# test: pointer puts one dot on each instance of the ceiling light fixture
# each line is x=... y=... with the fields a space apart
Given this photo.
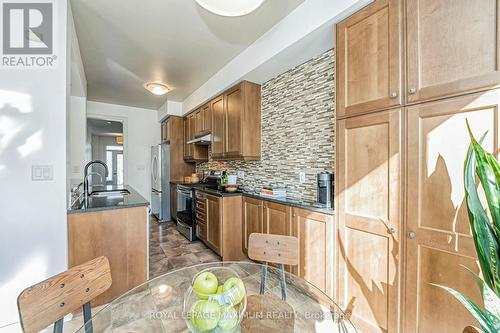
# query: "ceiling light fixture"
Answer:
x=230 y=8
x=157 y=88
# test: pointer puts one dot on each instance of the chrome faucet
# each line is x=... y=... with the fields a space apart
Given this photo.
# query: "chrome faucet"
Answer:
x=86 y=174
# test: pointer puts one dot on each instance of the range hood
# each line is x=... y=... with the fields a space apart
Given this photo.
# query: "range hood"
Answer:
x=202 y=140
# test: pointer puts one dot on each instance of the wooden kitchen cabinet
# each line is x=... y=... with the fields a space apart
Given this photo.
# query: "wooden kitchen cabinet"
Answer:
x=236 y=124
x=368 y=228
x=206 y=112
x=438 y=238
x=452 y=47
x=315 y=233
x=277 y=219
x=214 y=223
x=218 y=127
x=219 y=224
x=121 y=235
x=369 y=59
x=165 y=131
x=193 y=152
x=198 y=123
x=252 y=219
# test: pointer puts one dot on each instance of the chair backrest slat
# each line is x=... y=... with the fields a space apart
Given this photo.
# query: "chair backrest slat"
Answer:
x=48 y=301
x=275 y=249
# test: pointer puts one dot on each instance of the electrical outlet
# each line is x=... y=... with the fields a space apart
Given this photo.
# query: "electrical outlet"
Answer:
x=241 y=174
x=302 y=177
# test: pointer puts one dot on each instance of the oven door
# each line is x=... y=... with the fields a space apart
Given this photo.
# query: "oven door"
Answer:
x=185 y=206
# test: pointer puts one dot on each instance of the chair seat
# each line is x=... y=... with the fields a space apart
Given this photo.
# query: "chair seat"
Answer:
x=267 y=313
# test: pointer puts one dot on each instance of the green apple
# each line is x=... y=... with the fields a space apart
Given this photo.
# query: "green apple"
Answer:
x=205 y=284
x=228 y=318
x=235 y=289
x=220 y=289
x=205 y=315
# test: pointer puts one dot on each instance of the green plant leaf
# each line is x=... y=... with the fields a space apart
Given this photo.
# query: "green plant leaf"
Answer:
x=489 y=174
x=485 y=239
x=488 y=322
x=490 y=299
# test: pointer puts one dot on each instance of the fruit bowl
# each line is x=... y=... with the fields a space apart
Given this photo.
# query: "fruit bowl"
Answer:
x=215 y=301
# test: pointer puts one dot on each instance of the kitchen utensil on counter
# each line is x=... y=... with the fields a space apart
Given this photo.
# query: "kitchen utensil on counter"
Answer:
x=230 y=187
x=187 y=179
x=325 y=189
x=194 y=178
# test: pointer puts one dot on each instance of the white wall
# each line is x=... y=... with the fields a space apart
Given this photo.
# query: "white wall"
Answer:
x=32 y=213
x=78 y=147
x=141 y=130
x=169 y=108
x=310 y=26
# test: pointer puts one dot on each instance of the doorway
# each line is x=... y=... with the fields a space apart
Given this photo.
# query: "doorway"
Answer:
x=106 y=144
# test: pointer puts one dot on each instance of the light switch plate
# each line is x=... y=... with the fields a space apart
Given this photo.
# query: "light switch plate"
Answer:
x=302 y=177
x=241 y=174
x=42 y=172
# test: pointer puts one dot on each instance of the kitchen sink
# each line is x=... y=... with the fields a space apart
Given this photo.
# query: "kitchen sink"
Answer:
x=110 y=193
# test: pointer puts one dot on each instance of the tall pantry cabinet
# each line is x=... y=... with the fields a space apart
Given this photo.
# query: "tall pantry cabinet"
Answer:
x=409 y=73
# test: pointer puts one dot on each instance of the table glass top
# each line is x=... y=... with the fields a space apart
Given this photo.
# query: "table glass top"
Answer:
x=157 y=305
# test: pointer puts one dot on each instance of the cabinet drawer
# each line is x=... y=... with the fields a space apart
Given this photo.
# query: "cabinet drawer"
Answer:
x=201 y=231
x=200 y=206
x=200 y=196
x=201 y=217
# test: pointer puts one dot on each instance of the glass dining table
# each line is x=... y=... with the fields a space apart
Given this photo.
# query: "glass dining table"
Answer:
x=157 y=305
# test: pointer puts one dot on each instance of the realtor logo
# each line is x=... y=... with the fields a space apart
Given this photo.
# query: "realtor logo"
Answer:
x=27 y=34
x=27 y=28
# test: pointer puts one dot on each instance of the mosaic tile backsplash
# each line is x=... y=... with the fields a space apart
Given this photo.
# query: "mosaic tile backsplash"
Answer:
x=298 y=131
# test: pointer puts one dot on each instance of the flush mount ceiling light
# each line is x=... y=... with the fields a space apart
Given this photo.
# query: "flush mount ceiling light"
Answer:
x=230 y=7
x=157 y=88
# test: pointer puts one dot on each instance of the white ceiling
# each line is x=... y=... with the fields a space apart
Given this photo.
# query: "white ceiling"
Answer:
x=125 y=43
x=104 y=127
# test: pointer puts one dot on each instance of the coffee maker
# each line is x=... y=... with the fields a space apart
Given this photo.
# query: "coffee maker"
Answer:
x=325 y=189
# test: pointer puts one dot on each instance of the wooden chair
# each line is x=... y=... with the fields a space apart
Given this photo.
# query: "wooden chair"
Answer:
x=49 y=301
x=276 y=249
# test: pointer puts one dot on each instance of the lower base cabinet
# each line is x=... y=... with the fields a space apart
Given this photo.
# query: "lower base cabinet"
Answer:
x=314 y=231
x=217 y=216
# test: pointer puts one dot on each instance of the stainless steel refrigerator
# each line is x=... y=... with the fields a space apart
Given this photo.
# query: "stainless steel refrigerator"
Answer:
x=160 y=182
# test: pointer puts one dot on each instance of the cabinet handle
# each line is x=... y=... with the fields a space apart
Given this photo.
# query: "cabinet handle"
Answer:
x=412 y=91
x=393 y=94
x=391 y=230
x=412 y=235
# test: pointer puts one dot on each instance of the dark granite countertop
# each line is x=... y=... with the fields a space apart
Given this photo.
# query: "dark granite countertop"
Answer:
x=134 y=199
x=313 y=206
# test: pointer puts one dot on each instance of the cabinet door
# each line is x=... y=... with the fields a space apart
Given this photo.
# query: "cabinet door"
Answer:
x=214 y=223
x=368 y=246
x=218 y=128
x=206 y=112
x=187 y=136
x=168 y=130
x=277 y=219
x=437 y=216
x=198 y=123
x=315 y=234
x=163 y=131
x=452 y=47
x=369 y=59
x=234 y=112
x=252 y=219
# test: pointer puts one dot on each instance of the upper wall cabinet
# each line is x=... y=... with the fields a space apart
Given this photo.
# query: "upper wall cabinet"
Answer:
x=369 y=59
x=236 y=123
x=452 y=47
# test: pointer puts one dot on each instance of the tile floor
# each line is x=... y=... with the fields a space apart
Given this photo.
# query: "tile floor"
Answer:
x=169 y=250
